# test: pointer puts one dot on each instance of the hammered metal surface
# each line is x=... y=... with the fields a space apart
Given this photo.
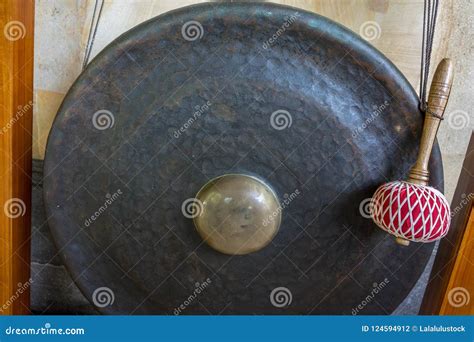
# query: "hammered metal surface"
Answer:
x=182 y=110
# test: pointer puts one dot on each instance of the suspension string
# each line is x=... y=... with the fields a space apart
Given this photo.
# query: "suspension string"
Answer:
x=430 y=14
x=92 y=31
x=429 y=23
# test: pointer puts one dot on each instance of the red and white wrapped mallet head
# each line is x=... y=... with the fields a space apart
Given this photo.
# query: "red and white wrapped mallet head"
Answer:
x=411 y=210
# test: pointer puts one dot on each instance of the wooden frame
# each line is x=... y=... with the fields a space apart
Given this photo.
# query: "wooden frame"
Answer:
x=16 y=86
x=16 y=72
x=449 y=247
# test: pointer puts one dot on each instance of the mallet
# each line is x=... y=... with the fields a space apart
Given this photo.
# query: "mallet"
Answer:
x=411 y=210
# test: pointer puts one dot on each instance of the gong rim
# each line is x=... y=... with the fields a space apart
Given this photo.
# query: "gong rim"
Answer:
x=385 y=70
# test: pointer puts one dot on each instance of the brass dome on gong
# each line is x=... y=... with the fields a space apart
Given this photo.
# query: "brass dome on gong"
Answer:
x=240 y=214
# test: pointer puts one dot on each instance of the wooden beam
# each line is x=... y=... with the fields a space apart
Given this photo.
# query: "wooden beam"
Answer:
x=16 y=104
x=450 y=246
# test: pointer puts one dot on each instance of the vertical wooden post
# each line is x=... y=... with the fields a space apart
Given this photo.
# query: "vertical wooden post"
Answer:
x=457 y=298
x=16 y=104
x=451 y=275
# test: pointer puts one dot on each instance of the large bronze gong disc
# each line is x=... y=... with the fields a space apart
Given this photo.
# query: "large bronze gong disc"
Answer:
x=261 y=90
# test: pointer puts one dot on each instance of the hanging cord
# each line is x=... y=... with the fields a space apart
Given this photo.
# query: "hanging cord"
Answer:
x=430 y=14
x=92 y=31
x=429 y=23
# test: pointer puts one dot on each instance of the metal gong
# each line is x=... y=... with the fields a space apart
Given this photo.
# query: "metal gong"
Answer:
x=268 y=128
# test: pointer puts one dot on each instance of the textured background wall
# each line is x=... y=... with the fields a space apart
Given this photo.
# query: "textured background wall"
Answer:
x=62 y=28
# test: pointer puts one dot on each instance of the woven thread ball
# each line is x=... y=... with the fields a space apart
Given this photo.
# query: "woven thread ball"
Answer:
x=414 y=212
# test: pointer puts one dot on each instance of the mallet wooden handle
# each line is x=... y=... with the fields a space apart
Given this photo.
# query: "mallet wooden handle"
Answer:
x=437 y=101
